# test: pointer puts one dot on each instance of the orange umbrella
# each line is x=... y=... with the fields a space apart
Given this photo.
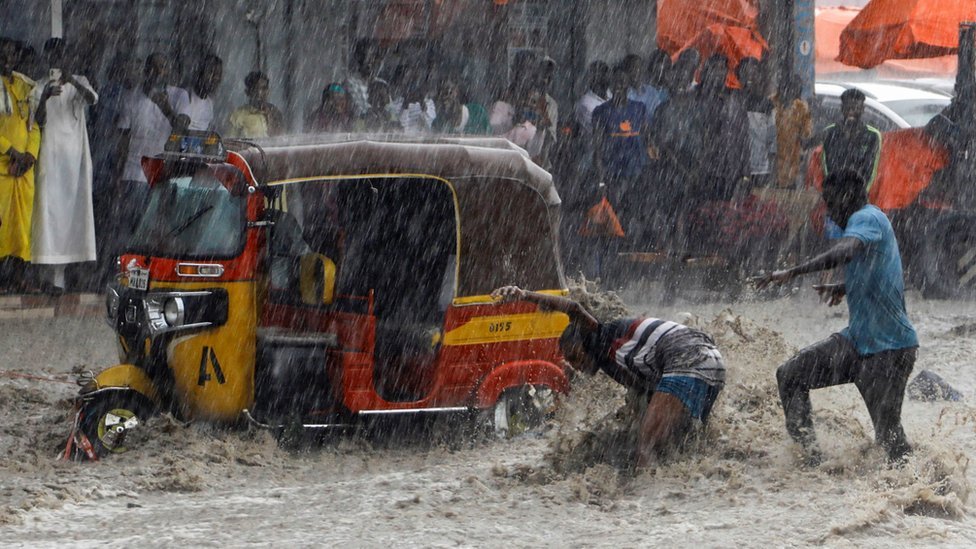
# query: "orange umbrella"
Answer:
x=904 y=29
x=831 y=22
x=735 y=43
x=909 y=160
x=727 y=27
x=680 y=21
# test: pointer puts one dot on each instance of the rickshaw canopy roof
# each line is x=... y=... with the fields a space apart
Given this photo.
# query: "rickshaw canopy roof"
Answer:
x=507 y=206
x=325 y=155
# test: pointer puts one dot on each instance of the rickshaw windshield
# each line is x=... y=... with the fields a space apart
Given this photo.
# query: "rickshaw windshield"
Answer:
x=191 y=217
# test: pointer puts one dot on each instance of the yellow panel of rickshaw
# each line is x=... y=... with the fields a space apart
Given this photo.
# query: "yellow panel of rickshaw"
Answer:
x=502 y=328
x=127 y=375
x=213 y=370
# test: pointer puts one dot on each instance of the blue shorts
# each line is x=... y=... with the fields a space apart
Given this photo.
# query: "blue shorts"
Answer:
x=694 y=393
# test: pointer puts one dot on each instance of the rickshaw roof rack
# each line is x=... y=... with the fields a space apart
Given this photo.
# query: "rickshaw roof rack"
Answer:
x=293 y=140
x=292 y=157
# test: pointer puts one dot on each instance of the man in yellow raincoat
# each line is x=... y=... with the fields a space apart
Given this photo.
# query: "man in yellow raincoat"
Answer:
x=19 y=143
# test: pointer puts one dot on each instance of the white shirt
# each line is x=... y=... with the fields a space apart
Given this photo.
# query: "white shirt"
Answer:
x=501 y=118
x=200 y=110
x=358 y=90
x=584 y=110
x=148 y=129
x=415 y=119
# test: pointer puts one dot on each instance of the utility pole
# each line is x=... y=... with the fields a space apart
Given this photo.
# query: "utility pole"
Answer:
x=57 y=19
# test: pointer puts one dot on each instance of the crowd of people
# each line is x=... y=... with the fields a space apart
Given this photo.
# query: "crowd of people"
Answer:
x=660 y=139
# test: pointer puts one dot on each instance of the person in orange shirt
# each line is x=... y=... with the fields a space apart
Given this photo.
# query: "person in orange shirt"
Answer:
x=20 y=141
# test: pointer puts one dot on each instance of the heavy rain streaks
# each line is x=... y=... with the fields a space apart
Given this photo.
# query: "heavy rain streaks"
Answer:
x=487 y=272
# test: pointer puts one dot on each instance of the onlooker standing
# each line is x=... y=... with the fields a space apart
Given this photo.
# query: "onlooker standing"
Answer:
x=677 y=140
x=63 y=229
x=364 y=68
x=19 y=143
x=197 y=101
x=683 y=71
x=258 y=118
x=598 y=80
x=725 y=134
x=501 y=116
x=122 y=77
x=633 y=65
x=851 y=144
x=653 y=92
x=417 y=111
x=620 y=149
x=453 y=116
x=379 y=117
x=523 y=78
x=794 y=127
x=762 y=126
x=27 y=62
x=334 y=113
x=148 y=118
x=548 y=111
x=525 y=133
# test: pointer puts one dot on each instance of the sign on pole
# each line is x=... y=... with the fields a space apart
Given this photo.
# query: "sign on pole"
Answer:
x=805 y=54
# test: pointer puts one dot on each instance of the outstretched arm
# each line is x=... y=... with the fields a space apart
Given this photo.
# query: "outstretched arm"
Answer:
x=561 y=304
x=841 y=253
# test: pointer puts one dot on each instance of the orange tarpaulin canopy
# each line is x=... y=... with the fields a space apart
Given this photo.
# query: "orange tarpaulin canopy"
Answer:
x=830 y=22
x=728 y=27
x=909 y=159
x=904 y=29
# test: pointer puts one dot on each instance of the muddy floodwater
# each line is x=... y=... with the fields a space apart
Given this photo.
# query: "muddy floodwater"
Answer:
x=738 y=486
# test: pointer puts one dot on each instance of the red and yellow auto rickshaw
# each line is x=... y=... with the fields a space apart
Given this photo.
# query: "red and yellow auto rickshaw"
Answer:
x=317 y=279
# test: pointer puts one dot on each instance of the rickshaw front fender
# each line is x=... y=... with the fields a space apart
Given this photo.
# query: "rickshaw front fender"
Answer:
x=125 y=376
x=519 y=373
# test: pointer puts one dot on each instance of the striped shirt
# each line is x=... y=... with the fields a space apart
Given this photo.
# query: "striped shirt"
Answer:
x=638 y=353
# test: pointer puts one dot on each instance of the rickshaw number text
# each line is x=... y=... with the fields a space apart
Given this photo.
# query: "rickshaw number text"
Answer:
x=496 y=327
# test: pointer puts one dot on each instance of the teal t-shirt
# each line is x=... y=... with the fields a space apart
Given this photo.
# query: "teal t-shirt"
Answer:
x=875 y=287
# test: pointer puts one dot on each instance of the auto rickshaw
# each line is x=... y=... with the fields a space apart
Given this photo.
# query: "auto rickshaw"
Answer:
x=319 y=279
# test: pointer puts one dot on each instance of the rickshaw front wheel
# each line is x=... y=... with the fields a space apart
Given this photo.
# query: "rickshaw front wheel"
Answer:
x=522 y=409
x=109 y=420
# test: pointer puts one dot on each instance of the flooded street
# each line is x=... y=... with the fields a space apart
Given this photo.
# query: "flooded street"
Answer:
x=199 y=486
x=306 y=213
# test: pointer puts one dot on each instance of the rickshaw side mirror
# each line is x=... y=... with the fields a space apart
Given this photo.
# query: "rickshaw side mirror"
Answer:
x=317 y=279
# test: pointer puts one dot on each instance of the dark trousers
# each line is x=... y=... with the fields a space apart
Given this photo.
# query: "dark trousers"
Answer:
x=626 y=193
x=881 y=379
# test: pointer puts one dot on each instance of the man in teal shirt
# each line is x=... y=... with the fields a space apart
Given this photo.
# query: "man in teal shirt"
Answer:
x=877 y=350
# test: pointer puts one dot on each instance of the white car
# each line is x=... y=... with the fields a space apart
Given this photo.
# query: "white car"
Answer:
x=887 y=106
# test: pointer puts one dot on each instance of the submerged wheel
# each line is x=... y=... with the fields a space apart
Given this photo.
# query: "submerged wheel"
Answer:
x=110 y=419
x=522 y=409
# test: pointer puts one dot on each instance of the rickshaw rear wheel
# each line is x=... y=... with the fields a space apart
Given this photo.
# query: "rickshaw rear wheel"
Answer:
x=109 y=419
x=522 y=409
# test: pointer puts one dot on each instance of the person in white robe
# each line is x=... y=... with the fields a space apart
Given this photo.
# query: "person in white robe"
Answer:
x=63 y=227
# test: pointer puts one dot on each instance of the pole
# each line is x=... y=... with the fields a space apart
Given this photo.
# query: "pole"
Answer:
x=57 y=19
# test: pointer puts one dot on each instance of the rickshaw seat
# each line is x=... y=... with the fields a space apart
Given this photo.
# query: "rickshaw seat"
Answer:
x=287 y=245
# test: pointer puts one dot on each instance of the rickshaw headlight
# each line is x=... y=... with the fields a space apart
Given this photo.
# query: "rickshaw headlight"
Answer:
x=173 y=311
